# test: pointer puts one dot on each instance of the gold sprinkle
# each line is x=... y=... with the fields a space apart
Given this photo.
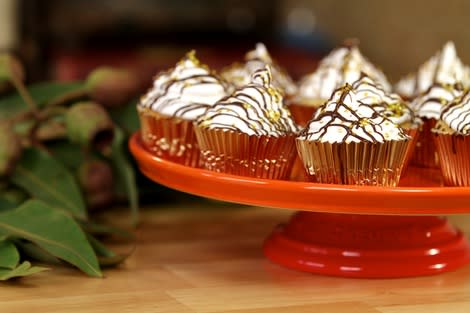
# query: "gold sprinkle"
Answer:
x=274 y=116
x=246 y=106
x=363 y=122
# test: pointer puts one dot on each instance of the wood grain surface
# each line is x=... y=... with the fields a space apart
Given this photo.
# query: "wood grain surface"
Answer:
x=206 y=256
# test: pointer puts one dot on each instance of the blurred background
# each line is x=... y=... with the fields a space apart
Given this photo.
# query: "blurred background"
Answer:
x=64 y=40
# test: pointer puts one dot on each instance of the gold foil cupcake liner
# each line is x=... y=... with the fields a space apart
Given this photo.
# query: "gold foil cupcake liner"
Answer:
x=425 y=154
x=241 y=154
x=413 y=133
x=362 y=163
x=169 y=138
x=454 y=152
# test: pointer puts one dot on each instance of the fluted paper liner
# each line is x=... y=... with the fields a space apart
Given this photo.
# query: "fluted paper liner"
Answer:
x=454 y=156
x=237 y=153
x=425 y=154
x=170 y=138
x=413 y=133
x=377 y=164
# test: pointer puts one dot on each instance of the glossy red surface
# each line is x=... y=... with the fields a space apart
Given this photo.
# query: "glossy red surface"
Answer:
x=420 y=192
x=393 y=242
x=368 y=246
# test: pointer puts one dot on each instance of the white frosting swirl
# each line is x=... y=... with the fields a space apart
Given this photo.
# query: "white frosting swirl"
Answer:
x=343 y=65
x=444 y=67
x=457 y=114
x=344 y=119
x=430 y=103
x=240 y=74
x=256 y=109
x=185 y=91
x=389 y=104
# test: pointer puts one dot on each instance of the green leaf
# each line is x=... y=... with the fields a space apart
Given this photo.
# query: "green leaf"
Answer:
x=52 y=230
x=6 y=204
x=11 y=198
x=24 y=269
x=106 y=256
x=71 y=155
x=41 y=93
x=125 y=172
x=97 y=229
x=126 y=116
x=9 y=256
x=47 y=179
x=36 y=253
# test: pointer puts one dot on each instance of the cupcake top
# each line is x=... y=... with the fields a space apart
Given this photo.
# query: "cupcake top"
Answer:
x=456 y=115
x=389 y=104
x=345 y=119
x=256 y=109
x=240 y=74
x=343 y=65
x=430 y=103
x=184 y=91
x=444 y=67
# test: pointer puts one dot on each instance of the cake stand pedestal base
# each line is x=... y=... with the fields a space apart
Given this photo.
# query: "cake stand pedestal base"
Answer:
x=368 y=246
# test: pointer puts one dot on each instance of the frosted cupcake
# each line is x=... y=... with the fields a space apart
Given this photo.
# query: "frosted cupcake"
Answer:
x=177 y=98
x=428 y=107
x=239 y=74
x=343 y=65
x=445 y=67
x=390 y=105
x=249 y=133
x=349 y=142
x=452 y=138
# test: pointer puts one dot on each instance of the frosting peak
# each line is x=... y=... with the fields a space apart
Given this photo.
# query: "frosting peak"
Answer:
x=240 y=74
x=345 y=119
x=184 y=91
x=343 y=65
x=256 y=109
x=444 y=67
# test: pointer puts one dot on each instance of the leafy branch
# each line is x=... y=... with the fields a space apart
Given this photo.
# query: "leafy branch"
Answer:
x=63 y=155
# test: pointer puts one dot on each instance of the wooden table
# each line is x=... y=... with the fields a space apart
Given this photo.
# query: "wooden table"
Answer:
x=203 y=256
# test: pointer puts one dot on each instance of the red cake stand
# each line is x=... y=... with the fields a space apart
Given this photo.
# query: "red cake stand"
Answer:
x=349 y=231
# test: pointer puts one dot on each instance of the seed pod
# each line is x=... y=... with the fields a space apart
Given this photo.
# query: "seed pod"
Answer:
x=112 y=87
x=88 y=124
x=96 y=180
x=95 y=175
x=10 y=148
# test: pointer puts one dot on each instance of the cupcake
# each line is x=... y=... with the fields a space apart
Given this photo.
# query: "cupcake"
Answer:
x=392 y=106
x=444 y=67
x=249 y=133
x=349 y=142
x=343 y=65
x=177 y=98
x=428 y=106
x=452 y=138
x=239 y=74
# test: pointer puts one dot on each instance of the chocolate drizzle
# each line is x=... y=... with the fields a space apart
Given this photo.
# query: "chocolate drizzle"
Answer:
x=186 y=90
x=456 y=115
x=444 y=68
x=389 y=104
x=430 y=103
x=346 y=119
x=256 y=109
